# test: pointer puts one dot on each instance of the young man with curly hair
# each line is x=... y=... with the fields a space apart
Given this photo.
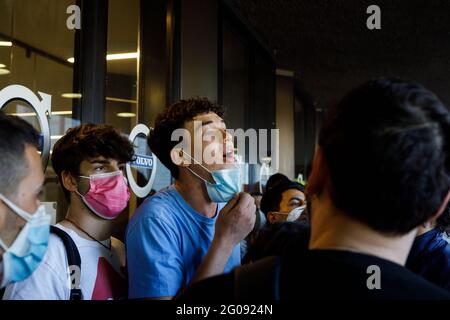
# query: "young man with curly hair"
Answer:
x=188 y=232
x=89 y=161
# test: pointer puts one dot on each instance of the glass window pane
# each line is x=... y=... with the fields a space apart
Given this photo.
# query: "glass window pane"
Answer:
x=40 y=44
x=122 y=81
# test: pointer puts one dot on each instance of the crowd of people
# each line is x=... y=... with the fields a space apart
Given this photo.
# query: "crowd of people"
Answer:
x=371 y=221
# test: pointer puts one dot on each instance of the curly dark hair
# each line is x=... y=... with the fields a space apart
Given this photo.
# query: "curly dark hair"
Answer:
x=175 y=117
x=89 y=141
x=387 y=147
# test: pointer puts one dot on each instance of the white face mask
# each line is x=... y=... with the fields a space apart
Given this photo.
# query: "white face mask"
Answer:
x=294 y=214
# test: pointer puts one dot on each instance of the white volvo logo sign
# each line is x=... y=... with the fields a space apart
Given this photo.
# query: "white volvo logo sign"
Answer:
x=141 y=161
x=41 y=104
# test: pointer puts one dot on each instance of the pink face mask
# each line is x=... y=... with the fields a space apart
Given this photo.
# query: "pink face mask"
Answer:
x=108 y=194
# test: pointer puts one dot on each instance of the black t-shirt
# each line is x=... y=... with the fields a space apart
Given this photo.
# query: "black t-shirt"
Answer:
x=330 y=274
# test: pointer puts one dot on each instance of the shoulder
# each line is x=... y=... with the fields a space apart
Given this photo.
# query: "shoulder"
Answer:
x=55 y=258
x=202 y=290
x=56 y=252
x=421 y=288
x=161 y=207
x=48 y=281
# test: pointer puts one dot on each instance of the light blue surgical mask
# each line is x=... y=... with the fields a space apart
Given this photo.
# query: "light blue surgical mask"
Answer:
x=28 y=249
x=227 y=182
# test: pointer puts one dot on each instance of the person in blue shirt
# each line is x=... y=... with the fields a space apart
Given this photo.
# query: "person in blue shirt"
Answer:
x=430 y=253
x=188 y=231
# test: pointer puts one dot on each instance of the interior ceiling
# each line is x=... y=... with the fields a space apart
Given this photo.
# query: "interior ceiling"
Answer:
x=327 y=43
x=42 y=24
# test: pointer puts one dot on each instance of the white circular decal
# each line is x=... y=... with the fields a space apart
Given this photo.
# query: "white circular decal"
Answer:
x=142 y=161
x=41 y=105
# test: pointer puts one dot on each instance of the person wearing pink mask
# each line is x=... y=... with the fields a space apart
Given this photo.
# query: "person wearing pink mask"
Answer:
x=89 y=161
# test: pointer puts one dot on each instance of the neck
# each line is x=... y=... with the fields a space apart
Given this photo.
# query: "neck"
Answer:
x=97 y=227
x=333 y=229
x=193 y=191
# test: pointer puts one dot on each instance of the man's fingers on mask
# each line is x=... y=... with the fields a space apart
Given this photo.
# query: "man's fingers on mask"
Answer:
x=245 y=200
x=231 y=203
x=251 y=204
x=249 y=200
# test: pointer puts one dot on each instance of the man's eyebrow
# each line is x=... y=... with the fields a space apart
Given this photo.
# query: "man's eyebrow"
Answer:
x=205 y=123
x=296 y=198
x=100 y=161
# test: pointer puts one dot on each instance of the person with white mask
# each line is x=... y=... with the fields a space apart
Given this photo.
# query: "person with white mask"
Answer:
x=89 y=162
x=24 y=223
x=192 y=229
x=285 y=201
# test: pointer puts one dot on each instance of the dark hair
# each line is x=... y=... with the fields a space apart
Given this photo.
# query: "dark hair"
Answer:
x=175 y=117
x=278 y=239
x=255 y=193
x=276 y=179
x=89 y=141
x=15 y=134
x=272 y=197
x=386 y=145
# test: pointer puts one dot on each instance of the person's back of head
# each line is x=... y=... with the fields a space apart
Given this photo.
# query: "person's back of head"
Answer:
x=380 y=171
x=386 y=146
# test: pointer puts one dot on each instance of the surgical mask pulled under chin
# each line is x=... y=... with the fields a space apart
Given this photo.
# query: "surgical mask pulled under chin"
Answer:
x=227 y=182
x=28 y=249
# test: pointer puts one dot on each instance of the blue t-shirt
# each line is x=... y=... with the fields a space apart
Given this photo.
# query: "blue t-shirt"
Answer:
x=166 y=241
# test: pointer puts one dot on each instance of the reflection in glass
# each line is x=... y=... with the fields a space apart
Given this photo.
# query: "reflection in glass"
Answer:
x=38 y=44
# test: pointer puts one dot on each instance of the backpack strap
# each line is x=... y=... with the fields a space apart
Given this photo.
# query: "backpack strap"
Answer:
x=73 y=259
x=259 y=280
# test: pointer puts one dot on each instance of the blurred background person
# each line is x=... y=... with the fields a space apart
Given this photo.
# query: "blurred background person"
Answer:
x=24 y=224
x=430 y=253
x=283 y=201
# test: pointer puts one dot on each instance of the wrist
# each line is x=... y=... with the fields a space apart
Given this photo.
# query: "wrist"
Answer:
x=222 y=245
